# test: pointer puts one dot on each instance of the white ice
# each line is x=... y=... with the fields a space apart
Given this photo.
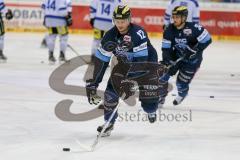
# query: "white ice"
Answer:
x=29 y=128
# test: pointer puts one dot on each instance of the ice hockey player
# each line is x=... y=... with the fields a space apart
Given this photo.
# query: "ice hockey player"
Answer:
x=101 y=13
x=57 y=19
x=132 y=46
x=185 y=40
x=192 y=6
x=7 y=13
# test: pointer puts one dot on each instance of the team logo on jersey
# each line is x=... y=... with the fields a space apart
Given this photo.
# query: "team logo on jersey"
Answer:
x=187 y=31
x=181 y=40
x=127 y=38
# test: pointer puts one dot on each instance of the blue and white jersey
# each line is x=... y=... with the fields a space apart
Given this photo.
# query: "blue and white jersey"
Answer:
x=55 y=12
x=193 y=35
x=193 y=10
x=3 y=8
x=141 y=49
x=102 y=12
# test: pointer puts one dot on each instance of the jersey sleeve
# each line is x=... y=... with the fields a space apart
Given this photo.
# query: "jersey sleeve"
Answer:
x=166 y=45
x=69 y=5
x=140 y=48
x=3 y=8
x=196 y=13
x=101 y=52
x=203 y=37
x=93 y=9
x=101 y=61
x=167 y=15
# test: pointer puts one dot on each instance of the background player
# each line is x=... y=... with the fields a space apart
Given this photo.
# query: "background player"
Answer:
x=8 y=14
x=57 y=18
x=192 y=6
x=185 y=40
x=137 y=48
x=101 y=12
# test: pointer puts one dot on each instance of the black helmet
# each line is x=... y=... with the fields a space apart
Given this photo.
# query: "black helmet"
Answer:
x=180 y=10
x=122 y=12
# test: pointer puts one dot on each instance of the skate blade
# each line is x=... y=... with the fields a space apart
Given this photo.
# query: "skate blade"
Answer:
x=62 y=62
x=107 y=134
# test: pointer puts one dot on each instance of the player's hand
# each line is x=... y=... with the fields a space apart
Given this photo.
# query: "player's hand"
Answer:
x=9 y=14
x=93 y=98
x=69 y=19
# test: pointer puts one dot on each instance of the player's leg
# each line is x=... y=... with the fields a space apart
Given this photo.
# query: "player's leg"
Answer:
x=63 y=32
x=97 y=37
x=150 y=107
x=184 y=78
x=51 y=38
x=3 y=58
x=44 y=41
x=165 y=84
x=110 y=103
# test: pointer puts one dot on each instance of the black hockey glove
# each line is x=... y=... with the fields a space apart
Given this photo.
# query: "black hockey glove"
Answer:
x=69 y=19
x=9 y=14
x=93 y=98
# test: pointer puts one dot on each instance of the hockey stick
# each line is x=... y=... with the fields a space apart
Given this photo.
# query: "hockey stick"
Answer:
x=92 y=147
x=74 y=51
x=104 y=128
x=175 y=62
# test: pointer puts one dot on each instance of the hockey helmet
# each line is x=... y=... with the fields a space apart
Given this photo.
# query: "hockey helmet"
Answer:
x=122 y=12
x=180 y=10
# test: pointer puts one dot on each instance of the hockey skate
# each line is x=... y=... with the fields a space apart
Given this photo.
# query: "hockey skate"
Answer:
x=178 y=100
x=161 y=102
x=3 y=58
x=44 y=43
x=152 y=117
x=62 y=58
x=107 y=131
x=51 y=58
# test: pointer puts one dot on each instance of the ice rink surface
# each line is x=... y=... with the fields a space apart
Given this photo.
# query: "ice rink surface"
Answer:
x=29 y=128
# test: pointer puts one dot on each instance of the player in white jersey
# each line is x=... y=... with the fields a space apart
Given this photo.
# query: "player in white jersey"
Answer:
x=7 y=13
x=57 y=18
x=101 y=12
x=192 y=6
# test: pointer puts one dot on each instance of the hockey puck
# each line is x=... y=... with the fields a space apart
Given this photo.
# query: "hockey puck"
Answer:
x=211 y=96
x=42 y=62
x=66 y=149
x=232 y=75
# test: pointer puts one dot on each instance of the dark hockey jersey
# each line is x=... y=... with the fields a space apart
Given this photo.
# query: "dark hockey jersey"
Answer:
x=193 y=35
x=139 y=50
